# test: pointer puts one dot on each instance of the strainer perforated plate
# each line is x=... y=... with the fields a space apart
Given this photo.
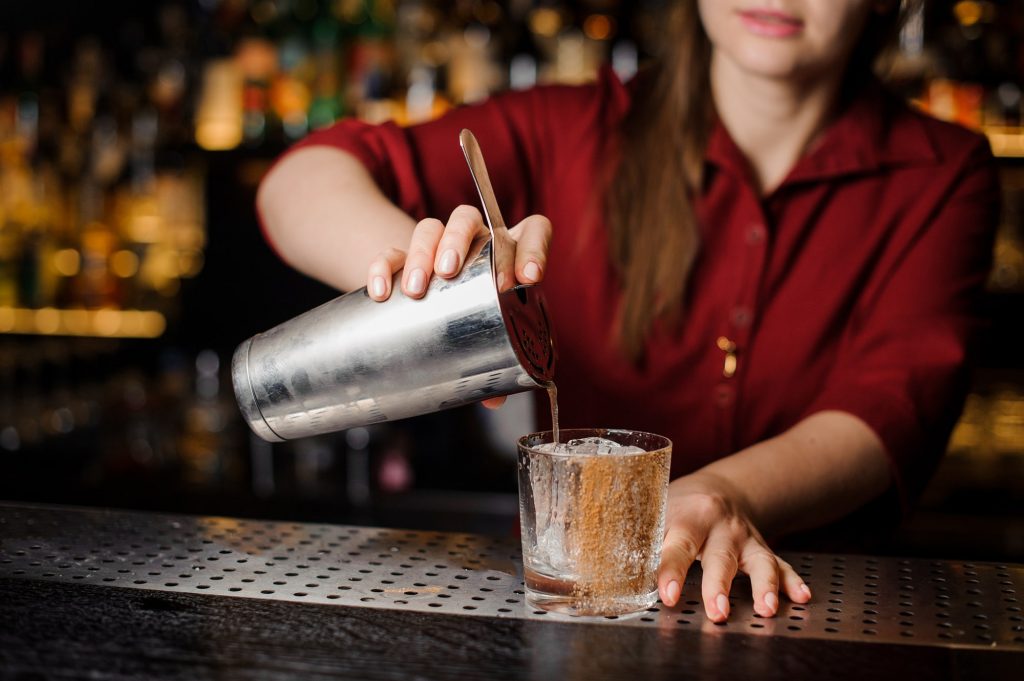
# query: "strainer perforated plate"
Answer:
x=945 y=603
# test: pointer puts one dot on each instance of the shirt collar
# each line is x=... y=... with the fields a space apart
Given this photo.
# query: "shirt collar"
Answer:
x=873 y=131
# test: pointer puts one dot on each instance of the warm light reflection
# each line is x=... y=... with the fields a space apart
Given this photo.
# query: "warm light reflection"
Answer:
x=7 y=319
x=219 y=114
x=219 y=134
x=598 y=27
x=546 y=22
x=1007 y=142
x=109 y=323
x=67 y=262
x=76 y=322
x=190 y=263
x=124 y=264
x=968 y=12
x=47 y=320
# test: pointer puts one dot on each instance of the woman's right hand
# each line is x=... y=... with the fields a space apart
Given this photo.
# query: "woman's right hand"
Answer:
x=439 y=248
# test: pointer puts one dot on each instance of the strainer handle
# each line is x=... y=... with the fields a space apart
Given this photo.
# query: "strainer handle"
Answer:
x=503 y=249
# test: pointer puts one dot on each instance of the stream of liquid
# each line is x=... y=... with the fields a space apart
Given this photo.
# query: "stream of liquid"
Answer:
x=553 y=398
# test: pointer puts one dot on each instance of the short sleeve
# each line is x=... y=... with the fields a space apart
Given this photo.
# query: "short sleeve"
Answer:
x=421 y=167
x=902 y=365
x=522 y=134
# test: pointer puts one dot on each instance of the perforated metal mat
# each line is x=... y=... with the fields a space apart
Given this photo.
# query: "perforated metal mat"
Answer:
x=856 y=597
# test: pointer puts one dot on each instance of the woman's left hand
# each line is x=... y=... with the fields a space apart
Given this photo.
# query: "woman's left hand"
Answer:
x=707 y=519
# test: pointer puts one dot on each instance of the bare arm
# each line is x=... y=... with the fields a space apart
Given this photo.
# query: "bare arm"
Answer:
x=821 y=469
x=818 y=471
x=327 y=218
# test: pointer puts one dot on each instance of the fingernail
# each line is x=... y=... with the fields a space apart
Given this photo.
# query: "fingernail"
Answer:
x=723 y=604
x=501 y=282
x=378 y=287
x=806 y=589
x=417 y=281
x=772 y=601
x=672 y=593
x=449 y=261
x=532 y=271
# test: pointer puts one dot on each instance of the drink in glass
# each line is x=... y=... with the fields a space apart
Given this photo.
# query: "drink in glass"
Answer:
x=592 y=509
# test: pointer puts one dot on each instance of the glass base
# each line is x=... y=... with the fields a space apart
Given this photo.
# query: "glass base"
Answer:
x=582 y=606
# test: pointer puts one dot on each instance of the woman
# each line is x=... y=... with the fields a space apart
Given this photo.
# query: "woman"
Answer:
x=749 y=248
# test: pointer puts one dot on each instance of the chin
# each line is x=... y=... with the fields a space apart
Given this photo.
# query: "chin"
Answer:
x=771 y=61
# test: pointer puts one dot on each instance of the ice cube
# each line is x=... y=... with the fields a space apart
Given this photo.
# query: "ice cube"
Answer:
x=588 y=446
x=551 y=547
x=593 y=445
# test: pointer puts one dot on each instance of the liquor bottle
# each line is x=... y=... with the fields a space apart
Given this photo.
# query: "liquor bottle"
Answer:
x=94 y=286
x=27 y=112
x=202 y=442
x=32 y=246
x=220 y=120
x=326 y=104
x=9 y=247
x=422 y=57
x=257 y=59
x=524 y=59
x=171 y=81
x=10 y=438
x=370 y=60
x=290 y=96
x=49 y=200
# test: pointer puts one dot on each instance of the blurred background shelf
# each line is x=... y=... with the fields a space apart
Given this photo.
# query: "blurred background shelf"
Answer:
x=105 y=323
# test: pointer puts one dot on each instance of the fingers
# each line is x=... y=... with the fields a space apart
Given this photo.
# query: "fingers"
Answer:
x=678 y=552
x=419 y=263
x=768 y=573
x=763 y=567
x=720 y=561
x=533 y=238
x=464 y=225
x=441 y=248
x=494 y=402
x=793 y=584
x=382 y=271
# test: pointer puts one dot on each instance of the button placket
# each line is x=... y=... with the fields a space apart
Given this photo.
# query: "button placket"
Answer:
x=734 y=341
x=741 y=316
x=756 y=234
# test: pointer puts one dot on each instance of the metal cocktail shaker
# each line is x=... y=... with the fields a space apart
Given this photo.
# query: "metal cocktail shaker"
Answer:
x=354 y=361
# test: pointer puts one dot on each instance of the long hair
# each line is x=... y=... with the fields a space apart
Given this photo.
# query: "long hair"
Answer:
x=653 y=235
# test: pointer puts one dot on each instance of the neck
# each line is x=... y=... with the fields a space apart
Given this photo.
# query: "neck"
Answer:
x=773 y=121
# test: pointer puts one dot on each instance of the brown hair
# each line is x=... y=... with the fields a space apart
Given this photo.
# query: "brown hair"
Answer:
x=653 y=236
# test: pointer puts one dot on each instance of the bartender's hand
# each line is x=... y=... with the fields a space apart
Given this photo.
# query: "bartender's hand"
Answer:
x=440 y=248
x=706 y=520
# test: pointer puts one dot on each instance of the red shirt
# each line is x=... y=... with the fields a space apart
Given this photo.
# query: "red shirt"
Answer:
x=852 y=286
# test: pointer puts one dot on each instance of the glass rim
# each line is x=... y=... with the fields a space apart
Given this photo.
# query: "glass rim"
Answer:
x=568 y=433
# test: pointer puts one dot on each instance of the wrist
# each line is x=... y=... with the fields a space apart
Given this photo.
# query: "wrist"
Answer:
x=714 y=483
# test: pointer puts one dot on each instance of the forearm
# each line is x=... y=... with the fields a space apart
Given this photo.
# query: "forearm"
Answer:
x=821 y=469
x=327 y=218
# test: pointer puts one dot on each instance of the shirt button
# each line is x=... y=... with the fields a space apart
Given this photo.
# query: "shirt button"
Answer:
x=756 y=235
x=724 y=395
x=741 y=317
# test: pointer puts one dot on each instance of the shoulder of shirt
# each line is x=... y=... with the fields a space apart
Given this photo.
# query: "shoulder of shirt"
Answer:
x=910 y=129
x=605 y=99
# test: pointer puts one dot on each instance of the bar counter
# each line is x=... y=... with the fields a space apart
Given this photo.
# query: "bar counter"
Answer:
x=123 y=595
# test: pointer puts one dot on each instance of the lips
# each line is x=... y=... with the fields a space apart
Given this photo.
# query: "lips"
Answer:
x=771 y=23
